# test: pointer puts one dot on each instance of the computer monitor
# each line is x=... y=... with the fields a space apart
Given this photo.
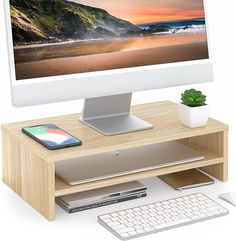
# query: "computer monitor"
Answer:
x=103 y=51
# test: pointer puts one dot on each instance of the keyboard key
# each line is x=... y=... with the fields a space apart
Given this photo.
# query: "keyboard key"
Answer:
x=144 y=207
x=114 y=224
x=132 y=233
x=115 y=219
x=123 y=217
x=223 y=210
x=129 y=211
x=130 y=224
x=124 y=235
x=108 y=220
x=173 y=223
x=199 y=195
x=138 y=227
x=209 y=214
x=151 y=219
x=146 y=225
x=153 y=223
x=130 y=215
x=105 y=217
x=140 y=231
x=119 y=227
x=126 y=230
x=149 y=229
x=122 y=213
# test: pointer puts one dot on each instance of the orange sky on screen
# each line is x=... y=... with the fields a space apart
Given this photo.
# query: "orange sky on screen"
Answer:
x=149 y=11
x=141 y=16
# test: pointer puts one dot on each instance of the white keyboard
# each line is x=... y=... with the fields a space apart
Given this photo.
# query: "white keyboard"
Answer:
x=151 y=218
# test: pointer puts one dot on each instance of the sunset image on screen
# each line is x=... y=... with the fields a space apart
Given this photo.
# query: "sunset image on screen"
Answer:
x=60 y=37
x=140 y=11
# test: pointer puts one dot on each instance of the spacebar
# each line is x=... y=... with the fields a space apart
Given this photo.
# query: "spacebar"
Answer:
x=173 y=223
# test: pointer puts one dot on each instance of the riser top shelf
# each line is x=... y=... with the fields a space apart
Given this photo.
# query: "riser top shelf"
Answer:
x=163 y=115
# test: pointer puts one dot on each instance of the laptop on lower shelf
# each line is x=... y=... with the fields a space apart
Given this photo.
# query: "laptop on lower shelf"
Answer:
x=139 y=159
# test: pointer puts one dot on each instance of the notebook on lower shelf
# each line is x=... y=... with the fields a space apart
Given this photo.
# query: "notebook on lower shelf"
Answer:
x=187 y=179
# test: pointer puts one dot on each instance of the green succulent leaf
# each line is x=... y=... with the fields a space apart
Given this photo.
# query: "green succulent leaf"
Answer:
x=193 y=98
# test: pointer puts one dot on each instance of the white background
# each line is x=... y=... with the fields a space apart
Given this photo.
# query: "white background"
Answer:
x=20 y=222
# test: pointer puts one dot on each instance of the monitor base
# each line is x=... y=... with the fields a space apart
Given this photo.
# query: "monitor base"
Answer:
x=110 y=115
x=115 y=125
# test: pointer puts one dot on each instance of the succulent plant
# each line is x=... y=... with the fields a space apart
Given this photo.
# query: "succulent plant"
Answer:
x=193 y=98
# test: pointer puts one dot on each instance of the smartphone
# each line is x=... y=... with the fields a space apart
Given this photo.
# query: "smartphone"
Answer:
x=51 y=136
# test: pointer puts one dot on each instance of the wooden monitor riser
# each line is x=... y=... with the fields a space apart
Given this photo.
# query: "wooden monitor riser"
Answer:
x=29 y=168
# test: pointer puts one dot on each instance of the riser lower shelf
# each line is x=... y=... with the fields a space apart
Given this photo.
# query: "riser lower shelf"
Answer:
x=61 y=188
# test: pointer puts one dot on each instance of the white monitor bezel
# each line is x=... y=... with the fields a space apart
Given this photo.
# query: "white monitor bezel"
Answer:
x=84 y=85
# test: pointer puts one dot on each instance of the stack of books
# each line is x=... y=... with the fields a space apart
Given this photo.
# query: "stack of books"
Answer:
x=101 y=197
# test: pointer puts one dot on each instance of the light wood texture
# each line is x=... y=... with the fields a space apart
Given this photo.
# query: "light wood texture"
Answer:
x=163 y=116
x=29 y=168
x=220 y=171
x=30 y=176
x=11 y=164
x=38 y=183
x=215 y=143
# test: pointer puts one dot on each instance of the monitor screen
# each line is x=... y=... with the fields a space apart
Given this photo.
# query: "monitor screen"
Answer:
x=62 y=37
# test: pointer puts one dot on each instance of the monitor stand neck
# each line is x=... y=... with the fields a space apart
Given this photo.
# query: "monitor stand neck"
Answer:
x=110 y=115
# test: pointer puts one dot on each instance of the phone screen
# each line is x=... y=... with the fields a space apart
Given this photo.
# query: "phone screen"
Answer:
x=52 y=136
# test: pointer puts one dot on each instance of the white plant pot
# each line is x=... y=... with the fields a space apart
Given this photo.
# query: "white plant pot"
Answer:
x=193 y=117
